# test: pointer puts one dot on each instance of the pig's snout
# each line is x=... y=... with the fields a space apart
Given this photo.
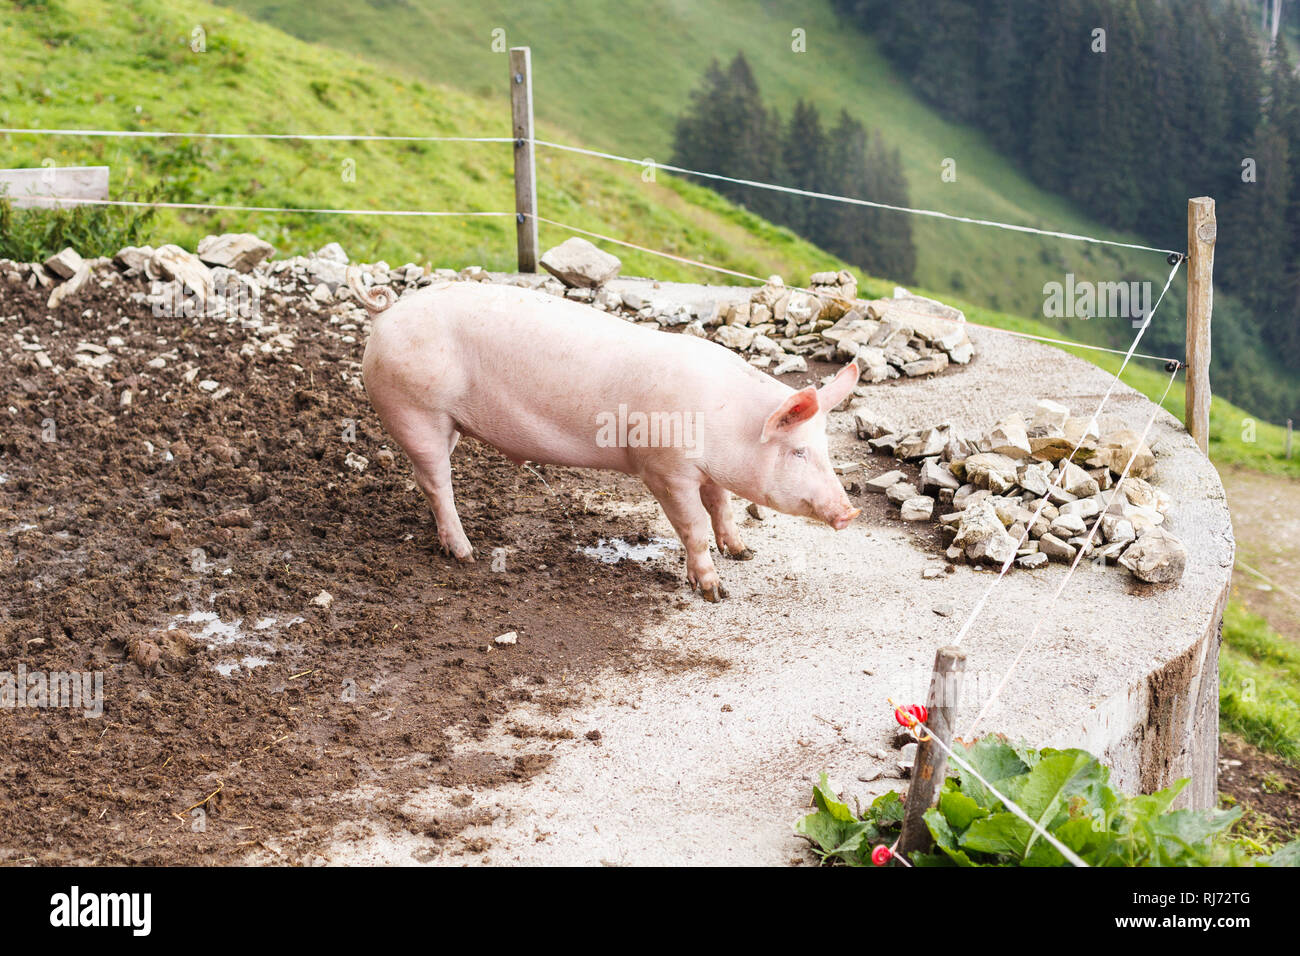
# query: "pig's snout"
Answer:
x=840 y=520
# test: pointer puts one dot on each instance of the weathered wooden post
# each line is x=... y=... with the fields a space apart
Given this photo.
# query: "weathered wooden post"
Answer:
x=1202 y=230
x=1288 y=438
x=521 y=118
x=931 y=763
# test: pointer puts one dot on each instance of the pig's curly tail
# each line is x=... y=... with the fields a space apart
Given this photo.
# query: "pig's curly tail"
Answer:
x=376 y=299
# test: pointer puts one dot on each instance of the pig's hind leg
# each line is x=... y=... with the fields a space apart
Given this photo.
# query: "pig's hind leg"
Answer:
x=685 y=511
x=431 y=460
x=717 y=501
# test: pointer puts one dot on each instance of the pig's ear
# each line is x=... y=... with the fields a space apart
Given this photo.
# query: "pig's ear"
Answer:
x=795 y=410
x=838 y=388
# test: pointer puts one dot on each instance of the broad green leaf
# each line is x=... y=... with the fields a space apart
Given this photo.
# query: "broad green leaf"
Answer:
x=1028 y=756
x=833 y=837
x=1043 y=854
x=996 y=761
x=1087 y=837
x=1185 y=837
x=855 y=848
x=887 y=809
x=1002 y=833
x=833 y=828
x=829 y=802
x=944 y=838
x=1289 y=855
x=1058 y=775
x=959 y=810
x=1150 y=805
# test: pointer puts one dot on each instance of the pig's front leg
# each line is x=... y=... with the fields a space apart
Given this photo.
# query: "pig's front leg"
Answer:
x=685 y=511
x=717 y=501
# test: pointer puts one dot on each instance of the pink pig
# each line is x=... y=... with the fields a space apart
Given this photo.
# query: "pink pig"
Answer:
x=544 y=379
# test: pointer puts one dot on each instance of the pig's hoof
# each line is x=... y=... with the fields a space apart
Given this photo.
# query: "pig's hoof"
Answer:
x=464 y=556
x=744 y=554
x=714 y=594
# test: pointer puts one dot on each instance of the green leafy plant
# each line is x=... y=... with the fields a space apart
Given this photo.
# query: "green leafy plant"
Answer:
x=1067 y=792
x=30 y=235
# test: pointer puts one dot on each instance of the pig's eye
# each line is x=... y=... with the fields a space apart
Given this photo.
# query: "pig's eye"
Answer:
x=800 y=453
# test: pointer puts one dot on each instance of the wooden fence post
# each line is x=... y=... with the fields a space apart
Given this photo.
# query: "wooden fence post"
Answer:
x=1288 y=438
x=1202 y=230
x=521 y=118
x=931 y=763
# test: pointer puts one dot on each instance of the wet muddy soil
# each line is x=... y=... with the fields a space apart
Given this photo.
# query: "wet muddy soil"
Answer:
x=273 y=623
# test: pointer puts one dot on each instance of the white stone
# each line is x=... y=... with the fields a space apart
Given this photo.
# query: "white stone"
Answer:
x=576 y=262
x=919 y=508
x=1050 y=414
x=738 y=337
x=1157 y=557
x=333 y=252
x=65 y=263
x=241 y=251
x=1009 y=438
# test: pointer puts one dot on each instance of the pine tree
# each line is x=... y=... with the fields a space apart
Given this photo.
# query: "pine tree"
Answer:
x=804 y=153
x=1050 y=151
x=845 y=227
x=892 y=251
x=695 y=143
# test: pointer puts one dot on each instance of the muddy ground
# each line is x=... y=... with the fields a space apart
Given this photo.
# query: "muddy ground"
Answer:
x=125 y=528
x=1266 y=787
x=180 y=544
x=1266 y=521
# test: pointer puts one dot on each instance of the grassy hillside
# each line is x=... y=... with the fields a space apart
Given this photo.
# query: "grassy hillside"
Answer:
x=89 y=64
x=93 y=64
x=617 y=76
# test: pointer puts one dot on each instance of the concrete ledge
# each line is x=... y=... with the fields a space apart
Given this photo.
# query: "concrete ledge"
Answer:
x=714 y=766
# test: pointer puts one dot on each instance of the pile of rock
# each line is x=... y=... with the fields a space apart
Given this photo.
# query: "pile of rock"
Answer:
x=908 y=335
x=222 y=279
x=775 y=327
x=1018 y=492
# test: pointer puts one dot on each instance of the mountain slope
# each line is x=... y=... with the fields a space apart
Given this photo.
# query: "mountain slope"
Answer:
x=87 y=64
x=92 y=64
x=618 y=75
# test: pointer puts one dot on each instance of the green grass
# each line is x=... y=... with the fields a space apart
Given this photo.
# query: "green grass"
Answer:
x=619 y=75
x=85 y=63
x=92 y=64
x=1259 y=684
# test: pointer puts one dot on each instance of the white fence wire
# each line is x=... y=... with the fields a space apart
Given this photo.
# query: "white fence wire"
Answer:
x=1129 y=354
